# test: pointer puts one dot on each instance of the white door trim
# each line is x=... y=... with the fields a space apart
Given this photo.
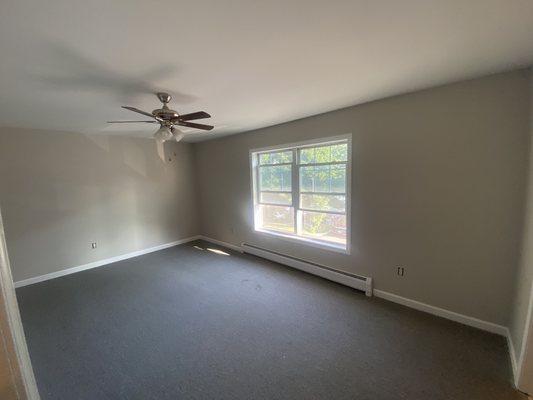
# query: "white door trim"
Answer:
x=21 y=368
x=524 y=356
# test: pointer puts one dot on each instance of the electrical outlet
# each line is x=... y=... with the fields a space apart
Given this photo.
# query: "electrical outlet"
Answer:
x=400 y=271
x=93 y=245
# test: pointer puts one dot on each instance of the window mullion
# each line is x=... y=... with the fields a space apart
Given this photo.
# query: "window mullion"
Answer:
x=257 y=179
x=295 y=184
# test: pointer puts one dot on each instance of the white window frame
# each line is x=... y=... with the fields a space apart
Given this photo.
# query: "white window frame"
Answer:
x=295 y=183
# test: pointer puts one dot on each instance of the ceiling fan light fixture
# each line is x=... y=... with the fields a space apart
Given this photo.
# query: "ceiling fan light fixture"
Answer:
x=163 y=134
x=178 y=135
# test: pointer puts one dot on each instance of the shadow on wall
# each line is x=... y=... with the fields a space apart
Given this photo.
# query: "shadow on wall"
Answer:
x=88 y=171
x=133 y=155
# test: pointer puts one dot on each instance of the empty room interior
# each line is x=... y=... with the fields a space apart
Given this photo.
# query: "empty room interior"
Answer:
x=266 y=200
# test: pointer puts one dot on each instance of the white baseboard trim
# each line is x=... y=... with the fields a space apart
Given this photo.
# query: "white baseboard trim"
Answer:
x=100 y=263
x=221 y=243
x=441 y=312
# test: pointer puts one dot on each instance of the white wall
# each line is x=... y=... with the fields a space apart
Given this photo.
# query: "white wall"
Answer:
x=61 y=191
x=438 y=187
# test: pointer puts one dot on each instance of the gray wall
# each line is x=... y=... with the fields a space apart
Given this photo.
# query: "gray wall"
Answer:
x=438 y=187
x=61 y=191
x=524 y=275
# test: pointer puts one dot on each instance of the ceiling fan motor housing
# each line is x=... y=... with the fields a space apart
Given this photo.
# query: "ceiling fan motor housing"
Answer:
x=164 y=112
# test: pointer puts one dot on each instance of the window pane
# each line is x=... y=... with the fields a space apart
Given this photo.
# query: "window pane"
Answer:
x=324 y=154
x=275 y=158
x=276 y=198
x=323 y=202
x=339 y=152
x=321 y=226
x=323 y=178
x=276 y=218
x=277 y=178
x=338 y=178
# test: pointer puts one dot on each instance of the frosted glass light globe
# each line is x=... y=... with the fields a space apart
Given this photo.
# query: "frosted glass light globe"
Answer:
x=178 y=135
x=163 y=134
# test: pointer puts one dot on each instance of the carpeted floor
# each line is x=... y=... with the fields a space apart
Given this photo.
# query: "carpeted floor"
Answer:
x=188 y=323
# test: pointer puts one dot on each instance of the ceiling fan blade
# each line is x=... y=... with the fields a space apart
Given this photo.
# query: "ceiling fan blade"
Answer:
x=127 y=122
x=197 y=126
x=140 y=112
x=194 y=115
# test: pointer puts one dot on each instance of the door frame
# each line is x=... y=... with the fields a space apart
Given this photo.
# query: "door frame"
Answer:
x=12 y=332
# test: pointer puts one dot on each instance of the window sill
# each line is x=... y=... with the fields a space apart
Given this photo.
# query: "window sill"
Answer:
x=306 y=241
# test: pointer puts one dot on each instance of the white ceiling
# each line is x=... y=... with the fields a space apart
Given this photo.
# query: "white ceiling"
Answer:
x=70 y=64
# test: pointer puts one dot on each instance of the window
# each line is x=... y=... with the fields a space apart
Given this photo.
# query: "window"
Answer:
x=302 y=192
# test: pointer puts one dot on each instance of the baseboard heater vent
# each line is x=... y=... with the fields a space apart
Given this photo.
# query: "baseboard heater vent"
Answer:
x=354 y=281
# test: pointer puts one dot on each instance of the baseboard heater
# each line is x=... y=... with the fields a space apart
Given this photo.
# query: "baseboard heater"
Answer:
x=345 y=278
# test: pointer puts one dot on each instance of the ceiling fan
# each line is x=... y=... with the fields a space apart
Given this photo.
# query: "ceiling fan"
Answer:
x=169 y=120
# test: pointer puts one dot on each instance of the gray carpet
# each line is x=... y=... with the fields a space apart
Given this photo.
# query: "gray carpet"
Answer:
x=186 y=323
